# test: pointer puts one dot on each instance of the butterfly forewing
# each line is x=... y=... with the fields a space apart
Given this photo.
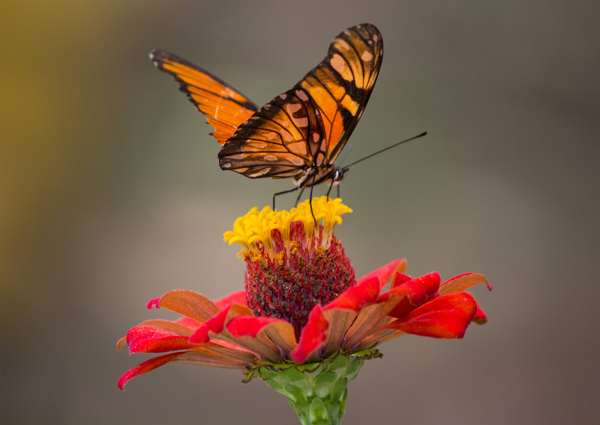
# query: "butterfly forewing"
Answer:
x=309 y=125
x=342 y=84
x=225 y=107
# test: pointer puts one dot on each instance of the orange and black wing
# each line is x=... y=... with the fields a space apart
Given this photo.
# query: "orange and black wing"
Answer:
x=225 y=107
x=309 y=125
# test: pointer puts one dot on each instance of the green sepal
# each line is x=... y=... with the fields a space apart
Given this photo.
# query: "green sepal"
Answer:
x=316 y=391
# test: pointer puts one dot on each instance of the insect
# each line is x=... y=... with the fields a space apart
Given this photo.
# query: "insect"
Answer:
x=301 y=132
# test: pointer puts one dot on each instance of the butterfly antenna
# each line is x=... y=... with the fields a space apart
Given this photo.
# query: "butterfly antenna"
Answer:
x=345 y=155
x=389 y=147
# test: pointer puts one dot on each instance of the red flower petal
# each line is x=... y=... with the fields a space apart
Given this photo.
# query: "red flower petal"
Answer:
x=444 y=317
x=312 y=337
x=280 y=331
x=187 y=303
x=480 y=317
x=340 y=321
x=399 y=279
x=211 y=359
x=365 y=292
x=147 y=366
x=149 y=339
x=238 y=297
x=414 y=292
x=214 y=324
x=189 y=322
x=249 y=326
x=384 y=273
x=154 y=302
x=463 y=281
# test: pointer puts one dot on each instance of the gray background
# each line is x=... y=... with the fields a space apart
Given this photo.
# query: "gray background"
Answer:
x=112 y=195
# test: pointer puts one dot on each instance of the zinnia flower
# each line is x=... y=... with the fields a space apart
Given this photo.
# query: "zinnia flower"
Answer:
x=303 y=324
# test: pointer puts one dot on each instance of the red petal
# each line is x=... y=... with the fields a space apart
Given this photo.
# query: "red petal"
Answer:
x=238 y=297
x=248 y=326
x=189 y=303
x=480 y=317
x=365 y=292
x=154 y=302
x=340 y=321
x=463 y=281
x=415 y=292
x=384 y=273
x=189 y=322
x=280 y=331
x=312 y=337
x=147 y=366
x=444 y=317
x=399 y=279
x=149 y=339
x=214 y=324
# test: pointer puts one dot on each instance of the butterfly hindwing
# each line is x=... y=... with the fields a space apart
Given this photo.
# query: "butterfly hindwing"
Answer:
x=281 y=140
x=225 y=107
x=309 y=125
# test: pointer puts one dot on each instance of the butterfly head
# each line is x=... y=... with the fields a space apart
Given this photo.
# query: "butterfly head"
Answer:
x=338 y=174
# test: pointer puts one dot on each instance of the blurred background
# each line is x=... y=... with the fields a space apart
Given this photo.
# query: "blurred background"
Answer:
x=112 y=195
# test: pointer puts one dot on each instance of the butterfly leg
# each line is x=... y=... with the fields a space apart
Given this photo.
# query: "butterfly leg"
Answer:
x=283 y=193
x=338 y=190
x=330 y=187
x=312 y=185
x=298 y=198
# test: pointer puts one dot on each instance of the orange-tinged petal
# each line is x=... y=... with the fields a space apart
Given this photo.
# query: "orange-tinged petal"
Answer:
x=370 y=319
x=340 y=321
x=461 y=282
x=280 y=331
x=196 y=358
x=187 y=303
x=313 y=336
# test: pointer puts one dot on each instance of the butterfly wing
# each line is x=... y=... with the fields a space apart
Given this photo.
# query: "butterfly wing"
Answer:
x=309 y=125
x=225 y=107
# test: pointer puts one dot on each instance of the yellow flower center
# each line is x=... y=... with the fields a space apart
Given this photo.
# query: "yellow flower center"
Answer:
x=256 y=229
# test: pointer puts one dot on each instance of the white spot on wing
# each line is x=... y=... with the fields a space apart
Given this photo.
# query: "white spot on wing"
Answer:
x=338 y=63
x=260 y=172
x=301 y=95
x=293 y=107
x=366 y=56
x=301 y=122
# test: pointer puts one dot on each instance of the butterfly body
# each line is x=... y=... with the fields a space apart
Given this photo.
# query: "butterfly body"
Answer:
x=300 y=133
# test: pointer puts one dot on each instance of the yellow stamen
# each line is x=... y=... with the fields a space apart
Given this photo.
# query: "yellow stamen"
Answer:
x=255 y=226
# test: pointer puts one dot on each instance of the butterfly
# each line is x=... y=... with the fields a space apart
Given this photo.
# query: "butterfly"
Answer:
x=301 y=132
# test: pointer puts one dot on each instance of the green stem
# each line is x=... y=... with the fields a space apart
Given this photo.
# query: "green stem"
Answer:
x=316 y=391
